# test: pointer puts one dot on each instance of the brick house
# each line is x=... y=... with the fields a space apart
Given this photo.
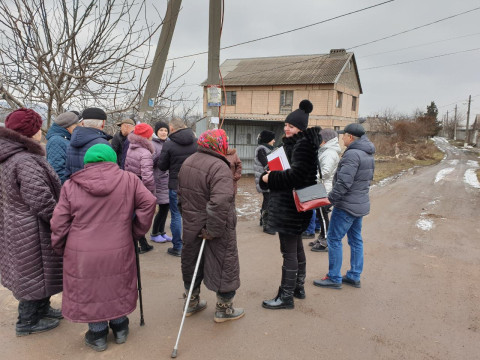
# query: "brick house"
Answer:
x=260 y=92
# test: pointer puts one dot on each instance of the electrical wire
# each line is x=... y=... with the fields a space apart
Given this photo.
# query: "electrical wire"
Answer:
x=287 y=31
x=416 y=60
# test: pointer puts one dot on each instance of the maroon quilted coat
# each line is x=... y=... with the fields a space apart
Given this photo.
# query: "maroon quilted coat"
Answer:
x=29 y=267
x=139 y=160
x=92 y=226
x=205 y=189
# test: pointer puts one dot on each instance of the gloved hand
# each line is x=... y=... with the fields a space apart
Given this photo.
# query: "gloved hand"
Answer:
x=205 y=234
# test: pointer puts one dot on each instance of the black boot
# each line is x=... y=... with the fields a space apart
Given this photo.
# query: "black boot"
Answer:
x=27 y=328
x=96 y=340
x=299 y=292
x=46 y=311
x=144 y=245
x=284 y=298
x=120 y=331
x=195 y=305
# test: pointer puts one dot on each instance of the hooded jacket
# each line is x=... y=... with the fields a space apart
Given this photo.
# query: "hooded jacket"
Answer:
x=82 y=139
x=139 y=160
x=29 y=267
x=206 y=199
x=182 y=144
x=351 y=183
x=93 y=227
x=328 y=157
x=161 y=177
x=58 y=139
x=301 y=150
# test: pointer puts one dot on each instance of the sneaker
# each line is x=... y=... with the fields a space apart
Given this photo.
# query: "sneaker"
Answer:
x=326 y=282
x=166 y=237
x=158 y=239
x=312 y=243
x=318 y=247
x=306 y=235
x=174 y=252
x=348 y=281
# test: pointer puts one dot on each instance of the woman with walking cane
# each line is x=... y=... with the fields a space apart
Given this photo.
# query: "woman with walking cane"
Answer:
x=93 y=228
x=206 y=198
x=301 y=145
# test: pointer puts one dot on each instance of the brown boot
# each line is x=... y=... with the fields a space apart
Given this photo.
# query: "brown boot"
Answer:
x=195 y=305
x=225 y=310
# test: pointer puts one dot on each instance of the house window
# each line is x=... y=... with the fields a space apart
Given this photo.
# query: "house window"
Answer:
x=339 y=99
x=354 y=103
x=336 y=128
x=231 y=97
x=286 y=101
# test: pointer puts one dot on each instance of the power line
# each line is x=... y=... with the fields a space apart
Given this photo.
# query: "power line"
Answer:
x=427 y=58
x=419 y=45
x=454 y=103
x=287 y=31
x=415 y=28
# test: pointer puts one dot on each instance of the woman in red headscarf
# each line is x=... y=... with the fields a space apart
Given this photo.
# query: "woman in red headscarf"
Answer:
x=206 y=200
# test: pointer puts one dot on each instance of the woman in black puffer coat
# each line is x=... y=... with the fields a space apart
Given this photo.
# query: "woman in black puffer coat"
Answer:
x=301 y=146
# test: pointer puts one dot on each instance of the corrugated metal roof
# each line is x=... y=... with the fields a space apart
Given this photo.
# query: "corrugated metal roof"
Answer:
x=284 y=70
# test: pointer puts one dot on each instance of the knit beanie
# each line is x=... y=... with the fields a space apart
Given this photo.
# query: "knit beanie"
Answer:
x=99 y=153
x=161 y=124
x=266 y=136
x=328 y=134
x=299 y=117
x=143 y=130
x=24 y=121
x=66 y=119
x=94 y=114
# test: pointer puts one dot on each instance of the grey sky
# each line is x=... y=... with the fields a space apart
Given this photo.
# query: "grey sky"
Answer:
x=402 y=88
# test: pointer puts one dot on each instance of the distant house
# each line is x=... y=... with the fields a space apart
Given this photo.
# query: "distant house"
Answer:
x=261 y=92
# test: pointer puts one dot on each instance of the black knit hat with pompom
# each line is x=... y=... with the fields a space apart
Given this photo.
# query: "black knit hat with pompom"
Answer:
x=299 y=117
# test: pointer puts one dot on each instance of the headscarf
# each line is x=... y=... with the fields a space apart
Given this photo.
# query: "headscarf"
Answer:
x=215 y=140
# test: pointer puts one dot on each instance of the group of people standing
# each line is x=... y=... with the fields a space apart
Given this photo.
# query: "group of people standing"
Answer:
x=80 y=237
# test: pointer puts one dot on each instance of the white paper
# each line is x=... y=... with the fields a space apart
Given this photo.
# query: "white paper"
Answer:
x=280 y=153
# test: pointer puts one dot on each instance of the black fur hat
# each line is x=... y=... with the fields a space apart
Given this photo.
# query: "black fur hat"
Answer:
x=266 y=136
x=299 y=117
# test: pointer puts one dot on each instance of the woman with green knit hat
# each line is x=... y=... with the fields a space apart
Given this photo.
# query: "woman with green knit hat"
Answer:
x=93 y=228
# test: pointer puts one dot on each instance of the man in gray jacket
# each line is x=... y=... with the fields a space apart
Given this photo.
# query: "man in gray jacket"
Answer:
x=350 y=198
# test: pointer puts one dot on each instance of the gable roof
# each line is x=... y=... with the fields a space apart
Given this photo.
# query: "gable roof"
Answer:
x=288 y=70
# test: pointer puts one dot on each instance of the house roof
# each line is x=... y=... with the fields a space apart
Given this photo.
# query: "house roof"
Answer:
x=287 y=70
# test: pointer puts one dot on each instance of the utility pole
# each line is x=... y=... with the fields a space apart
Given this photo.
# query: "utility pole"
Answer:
x=446 y=125
x=467 y=134
x=214 y=27
x=455 y=125
x=161 y=53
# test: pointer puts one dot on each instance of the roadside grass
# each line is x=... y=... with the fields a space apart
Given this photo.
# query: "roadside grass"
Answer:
x=386 y=166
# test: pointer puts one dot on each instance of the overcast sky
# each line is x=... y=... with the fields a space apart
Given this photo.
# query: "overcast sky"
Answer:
x=403 y=88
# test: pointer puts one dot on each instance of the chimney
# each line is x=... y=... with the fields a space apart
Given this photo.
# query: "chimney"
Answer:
x=336 y=52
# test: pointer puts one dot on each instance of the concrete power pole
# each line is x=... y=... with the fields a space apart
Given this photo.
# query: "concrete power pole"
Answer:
x=455 y=125
x=214 y=27
x=161 y=53
x=467 y=134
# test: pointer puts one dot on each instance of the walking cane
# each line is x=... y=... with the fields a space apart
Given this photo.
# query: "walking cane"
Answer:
x=139 y=281
x=192 y=284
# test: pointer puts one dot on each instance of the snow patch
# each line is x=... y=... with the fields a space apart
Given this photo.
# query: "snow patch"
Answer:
x=425 y=224
x=471 y=179
x=472 y=163
x=442 y=173
x=453 y=162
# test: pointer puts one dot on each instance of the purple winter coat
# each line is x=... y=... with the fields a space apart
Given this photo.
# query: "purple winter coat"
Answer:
x=139 y=160
x=93 y=227
x=161 y=177
x=29 y=266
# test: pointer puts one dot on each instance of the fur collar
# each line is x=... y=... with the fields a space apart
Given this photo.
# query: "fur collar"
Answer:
x=21 y=141
x=140 y=141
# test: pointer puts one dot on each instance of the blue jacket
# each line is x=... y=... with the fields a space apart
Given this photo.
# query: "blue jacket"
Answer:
x=58 y=140
x=82 y=139
x=351 y=182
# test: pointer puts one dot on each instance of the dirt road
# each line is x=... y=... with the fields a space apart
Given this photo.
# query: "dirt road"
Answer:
x=420 y=295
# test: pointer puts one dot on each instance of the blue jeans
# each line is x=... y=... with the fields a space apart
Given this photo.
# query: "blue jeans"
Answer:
x=311 y=227
x=176 y=221
x=341 y=224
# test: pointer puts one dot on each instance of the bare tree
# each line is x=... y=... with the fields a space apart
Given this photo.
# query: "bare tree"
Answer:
x=69 y=54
